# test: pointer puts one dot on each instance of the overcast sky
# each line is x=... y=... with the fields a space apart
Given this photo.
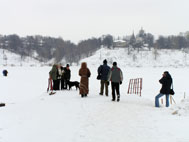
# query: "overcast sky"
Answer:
x=80 y=19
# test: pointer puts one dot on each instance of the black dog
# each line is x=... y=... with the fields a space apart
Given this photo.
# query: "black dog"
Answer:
x=73 y=83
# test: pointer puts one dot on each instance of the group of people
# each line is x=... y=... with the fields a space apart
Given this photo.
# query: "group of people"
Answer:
x=106 y=74
x=60 y=76
x=113 y=75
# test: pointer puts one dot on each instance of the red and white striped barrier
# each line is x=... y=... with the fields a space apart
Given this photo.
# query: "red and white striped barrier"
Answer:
x=135 y=86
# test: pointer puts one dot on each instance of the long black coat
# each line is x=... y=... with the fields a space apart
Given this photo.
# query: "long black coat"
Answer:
x=67 y=73
x=166 y=84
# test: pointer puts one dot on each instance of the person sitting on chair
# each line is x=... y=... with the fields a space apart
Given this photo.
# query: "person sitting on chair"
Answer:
x=166 y=82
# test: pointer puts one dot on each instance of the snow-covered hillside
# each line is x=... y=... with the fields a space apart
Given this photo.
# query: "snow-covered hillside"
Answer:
x=145 y=58
x=8 y=58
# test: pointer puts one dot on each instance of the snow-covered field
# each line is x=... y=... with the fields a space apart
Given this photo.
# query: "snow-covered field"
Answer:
x=31 y=115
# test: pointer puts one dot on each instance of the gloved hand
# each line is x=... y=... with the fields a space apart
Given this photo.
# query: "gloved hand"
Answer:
x=120 y=82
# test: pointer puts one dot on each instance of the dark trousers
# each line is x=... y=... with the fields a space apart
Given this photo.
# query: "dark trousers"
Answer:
x=56 y=84
x=64 y=83
x=115 y=87
x=104 y=83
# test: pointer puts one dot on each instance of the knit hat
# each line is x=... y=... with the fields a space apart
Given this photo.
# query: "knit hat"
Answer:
x=114 y=63
x=105 y=61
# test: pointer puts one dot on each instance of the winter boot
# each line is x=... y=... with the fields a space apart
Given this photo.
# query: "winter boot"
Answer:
x=52 y=93
x=118 y=98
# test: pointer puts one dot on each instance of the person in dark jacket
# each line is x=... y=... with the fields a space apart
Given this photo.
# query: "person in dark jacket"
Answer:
x=103 y=71
x=53 y=75
x=65 y=77
x=116 y=77
x=62 y=78
x=59 y=73
x=166 y=82
x=5 y=72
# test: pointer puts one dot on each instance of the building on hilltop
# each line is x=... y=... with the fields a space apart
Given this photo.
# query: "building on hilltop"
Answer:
x=120 y=43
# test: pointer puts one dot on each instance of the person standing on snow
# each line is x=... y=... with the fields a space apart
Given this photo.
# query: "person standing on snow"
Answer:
x=116 y=77
x=166 y=82
x=53 y=75
x=103 y=71
x=66 y=76
x=85 y=73
x=62 y=77
x=59 y=74
x=5 y=72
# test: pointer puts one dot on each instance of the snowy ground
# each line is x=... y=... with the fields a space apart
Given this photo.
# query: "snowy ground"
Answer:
x=31 y=115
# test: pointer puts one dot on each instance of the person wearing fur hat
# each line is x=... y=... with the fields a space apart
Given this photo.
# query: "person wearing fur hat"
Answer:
x=85 y=73
x=166 y=82
x=103 y=71
x=116 y=77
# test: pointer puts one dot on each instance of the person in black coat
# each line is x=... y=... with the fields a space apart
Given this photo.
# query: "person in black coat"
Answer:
x=5 y=72
x=103 y=71
x=166 y=82
x=66 y=75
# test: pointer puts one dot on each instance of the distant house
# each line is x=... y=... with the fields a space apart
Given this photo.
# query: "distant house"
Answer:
x=120 y=43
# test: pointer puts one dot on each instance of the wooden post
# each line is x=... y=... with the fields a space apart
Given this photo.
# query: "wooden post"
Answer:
x=133 y=85
x=137 y=86
x=171 y=99
x=140 y=86
x=129 y=87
